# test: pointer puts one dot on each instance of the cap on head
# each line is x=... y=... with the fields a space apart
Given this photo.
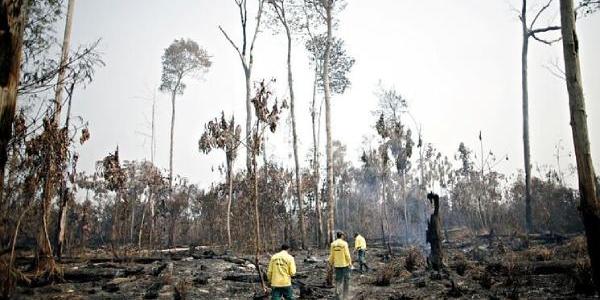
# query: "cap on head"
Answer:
x=285 y=247
x=339 y=234
x=355 y=233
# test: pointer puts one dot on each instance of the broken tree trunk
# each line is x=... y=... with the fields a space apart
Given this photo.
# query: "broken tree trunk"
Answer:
x=434 y=234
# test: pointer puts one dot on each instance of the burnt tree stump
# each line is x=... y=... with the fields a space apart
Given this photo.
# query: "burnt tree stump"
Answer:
x=434 y=234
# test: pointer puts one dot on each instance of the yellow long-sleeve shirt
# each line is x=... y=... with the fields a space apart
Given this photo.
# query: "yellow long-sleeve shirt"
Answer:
x=339 y=255
x=360 y=243
x=281 y=269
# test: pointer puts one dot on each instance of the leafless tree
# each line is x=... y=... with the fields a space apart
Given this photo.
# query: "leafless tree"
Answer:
x=247 y=59
x=530 y=30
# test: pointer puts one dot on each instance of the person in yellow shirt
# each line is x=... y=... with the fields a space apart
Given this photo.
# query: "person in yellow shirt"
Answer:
x=360 y=245
x=281 y=269
x=339 y=258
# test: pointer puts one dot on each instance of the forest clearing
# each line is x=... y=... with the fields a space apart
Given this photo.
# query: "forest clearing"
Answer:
x=299 y=149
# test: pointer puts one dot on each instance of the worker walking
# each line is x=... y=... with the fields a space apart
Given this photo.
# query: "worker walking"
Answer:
x=281 y=269
x=360 y=246
x=339 y=258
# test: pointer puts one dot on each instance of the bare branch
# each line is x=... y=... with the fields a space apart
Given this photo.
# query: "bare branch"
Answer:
x=555 y=69
x=257 y=29
x=539 y=13
x=547 y=42
x=233 y=44
x=545 y=29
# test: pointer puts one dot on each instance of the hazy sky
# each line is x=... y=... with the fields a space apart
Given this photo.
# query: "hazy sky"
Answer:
x=457 y=62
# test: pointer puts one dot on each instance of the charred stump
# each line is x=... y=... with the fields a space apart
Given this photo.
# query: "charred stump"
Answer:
x=434 y=234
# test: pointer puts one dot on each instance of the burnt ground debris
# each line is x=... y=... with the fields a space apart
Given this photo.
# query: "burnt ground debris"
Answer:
x=492 y=267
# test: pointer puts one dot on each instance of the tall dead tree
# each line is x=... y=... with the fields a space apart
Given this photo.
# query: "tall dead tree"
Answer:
x=590 y=204
x=63 y=206
x=247 y=59
x=529 y=30
x=328 y=7
x=282 y=11
x=13 y=16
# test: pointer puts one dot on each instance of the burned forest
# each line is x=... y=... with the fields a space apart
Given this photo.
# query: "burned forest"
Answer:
x=299 y=149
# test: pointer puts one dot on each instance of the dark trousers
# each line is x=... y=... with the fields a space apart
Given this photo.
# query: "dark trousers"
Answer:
x=362 y=261
x=286 y=292
x=342 y=282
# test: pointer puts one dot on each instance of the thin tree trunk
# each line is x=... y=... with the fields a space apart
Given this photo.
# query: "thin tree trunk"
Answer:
x=481 y=188
x=256 y=213
x=13 y=16
x=229 y=199
x=139 y=241
x=7 y=287
x=590 y=204
x=385 y=239
x=295 y=139
x=327 y=88
x=316 y=165
x=132 y=222
x=173 y=95
x=152 y=220
x=45 y=262
x=406 y=221
x=63 y=205
x=524 y=88
x=248 y=74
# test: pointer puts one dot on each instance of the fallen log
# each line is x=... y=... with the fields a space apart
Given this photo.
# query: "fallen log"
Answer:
x=533 y=268
x=87 y=275
x=249 y=278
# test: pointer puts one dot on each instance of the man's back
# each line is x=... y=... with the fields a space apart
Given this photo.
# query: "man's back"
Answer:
x=360 y=243
x=339 y=256
x=281 y=268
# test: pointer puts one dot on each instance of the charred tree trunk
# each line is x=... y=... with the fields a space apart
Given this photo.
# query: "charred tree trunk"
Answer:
x=590 y=204
x=434 y=234
x=13 y=16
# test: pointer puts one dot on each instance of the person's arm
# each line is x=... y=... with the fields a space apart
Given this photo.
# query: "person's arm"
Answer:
x=347 y=254
x=292 y=267
x=270 y=271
